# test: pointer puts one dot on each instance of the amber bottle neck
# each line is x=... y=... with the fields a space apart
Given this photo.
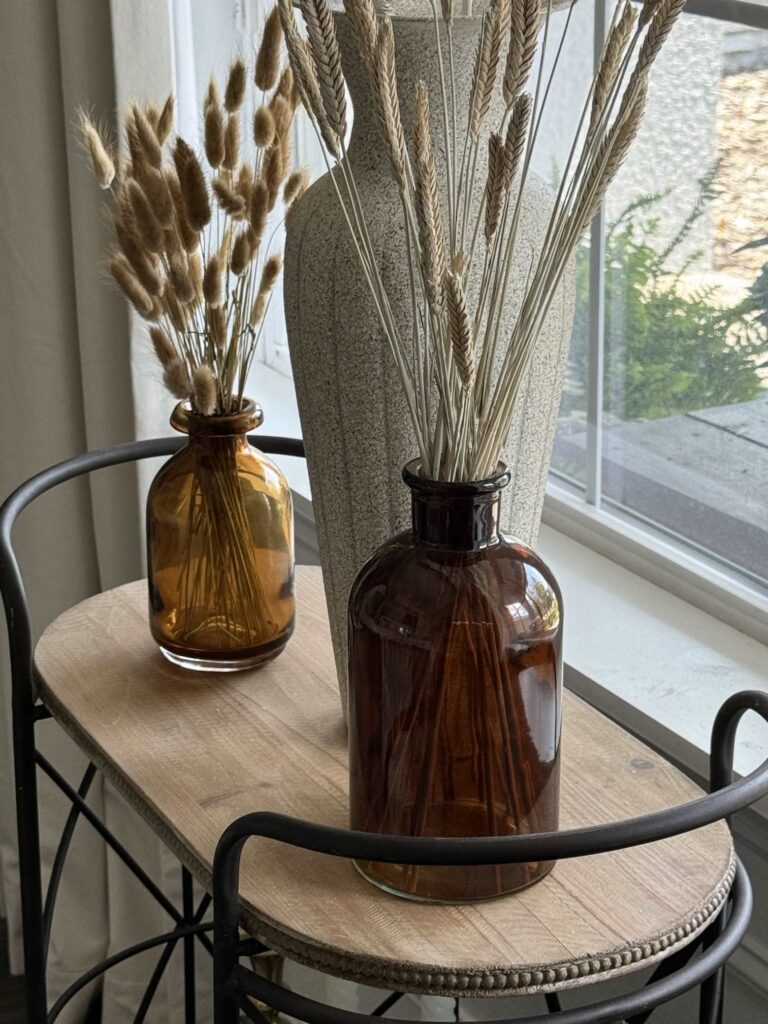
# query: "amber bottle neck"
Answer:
x=455 y=516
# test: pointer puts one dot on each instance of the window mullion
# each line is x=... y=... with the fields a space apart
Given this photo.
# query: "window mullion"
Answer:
x=596 y=340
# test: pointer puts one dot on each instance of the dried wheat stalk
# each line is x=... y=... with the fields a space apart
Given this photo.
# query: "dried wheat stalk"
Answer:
x=191 y=255
x=471 y=359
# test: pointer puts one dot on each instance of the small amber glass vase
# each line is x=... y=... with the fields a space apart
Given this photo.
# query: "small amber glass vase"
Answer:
x=220 y=547
x=455 y=672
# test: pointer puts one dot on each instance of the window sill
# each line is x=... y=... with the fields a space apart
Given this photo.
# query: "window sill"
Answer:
x=652 y=661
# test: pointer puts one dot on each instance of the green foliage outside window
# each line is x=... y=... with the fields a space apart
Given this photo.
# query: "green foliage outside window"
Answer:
x=670 y=348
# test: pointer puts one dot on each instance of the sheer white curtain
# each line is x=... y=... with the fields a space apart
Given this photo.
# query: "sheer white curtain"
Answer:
x=74 y=377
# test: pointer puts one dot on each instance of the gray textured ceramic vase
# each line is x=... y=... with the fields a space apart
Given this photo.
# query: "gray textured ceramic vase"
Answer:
x=356 y=427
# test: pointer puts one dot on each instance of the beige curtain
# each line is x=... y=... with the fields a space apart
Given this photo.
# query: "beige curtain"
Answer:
x=71 y=364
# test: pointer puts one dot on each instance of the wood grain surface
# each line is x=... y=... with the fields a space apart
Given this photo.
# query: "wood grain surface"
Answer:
x=192 y=751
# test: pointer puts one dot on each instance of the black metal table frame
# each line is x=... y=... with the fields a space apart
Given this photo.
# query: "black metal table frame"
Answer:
x=701 y=962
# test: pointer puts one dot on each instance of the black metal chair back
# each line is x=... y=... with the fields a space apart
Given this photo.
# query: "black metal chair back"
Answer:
x=235 y=986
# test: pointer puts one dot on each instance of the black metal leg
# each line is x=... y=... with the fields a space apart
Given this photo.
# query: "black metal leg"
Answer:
x=29 y=859
x=188 y=911
x=553 y=1002
x=713 y=989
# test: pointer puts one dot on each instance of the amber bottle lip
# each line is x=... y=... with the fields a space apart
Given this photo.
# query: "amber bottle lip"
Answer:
x=426 y=486
x=187 y=421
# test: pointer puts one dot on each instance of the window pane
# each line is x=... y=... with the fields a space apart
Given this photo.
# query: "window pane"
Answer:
x=685 y=429
x=565 y=101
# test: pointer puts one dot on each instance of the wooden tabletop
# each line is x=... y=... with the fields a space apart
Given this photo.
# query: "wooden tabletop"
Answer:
x=193 y=751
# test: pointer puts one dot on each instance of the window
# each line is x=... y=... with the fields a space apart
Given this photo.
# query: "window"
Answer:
x=664 y=420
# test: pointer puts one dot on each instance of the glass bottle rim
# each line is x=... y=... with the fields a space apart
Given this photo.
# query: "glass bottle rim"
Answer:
x=187 y=421
x=454 y=488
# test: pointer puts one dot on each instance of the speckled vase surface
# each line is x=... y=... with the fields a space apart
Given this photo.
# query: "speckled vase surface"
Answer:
x=354 y=418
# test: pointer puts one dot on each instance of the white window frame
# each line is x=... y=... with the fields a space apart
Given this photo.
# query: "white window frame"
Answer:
x=586 y=517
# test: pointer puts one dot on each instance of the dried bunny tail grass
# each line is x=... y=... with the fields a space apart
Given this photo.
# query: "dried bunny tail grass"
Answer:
x=164 y=348
x=244 y=183
x=242 y=252
x=274 y=173
x=295 y=186
x=270 y=273
x=156 y=189
x=146 y=138
x=610 y=65
x=164 y=124
x=324 y=48
x=102 y=163
x=129 y=284
x=388 y=103
x=259 y=207
x=194 y=189
x=495 y=185
x=428 y=203
x=232 y=142
x=212 y=93
x=460 y=330
x=152 y=112
x=213 y=134
x=196 y=274
x=525 y=23
x=285 y=86
x=258 y=309
x=282 y=115
x=305 y=78
x=517 y=132
x=234 y=94
x=141 y=261
x=176 y=380
x=228 y=199
x=189 y=238
x=263 y=127
x=213 y=291
x=175 y=310
x=268 y=58
x=181 y=279
x=216 y=317
x=204 y=390
x=148 y=227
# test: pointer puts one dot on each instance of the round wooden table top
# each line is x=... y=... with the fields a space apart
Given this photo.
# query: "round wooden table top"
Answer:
x=193 y=751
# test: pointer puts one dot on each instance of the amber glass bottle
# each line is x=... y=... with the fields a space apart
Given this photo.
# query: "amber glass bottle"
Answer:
x=220 y=547
x=455 y=671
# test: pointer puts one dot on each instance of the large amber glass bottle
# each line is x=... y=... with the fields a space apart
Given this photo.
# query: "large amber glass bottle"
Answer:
x=455 y=671
x=220 y=547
